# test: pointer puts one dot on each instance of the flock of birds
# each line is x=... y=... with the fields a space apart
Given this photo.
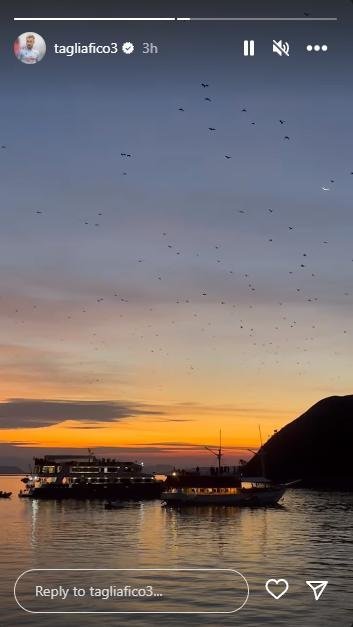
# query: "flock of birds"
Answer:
x=263 y=343
x=244 y=110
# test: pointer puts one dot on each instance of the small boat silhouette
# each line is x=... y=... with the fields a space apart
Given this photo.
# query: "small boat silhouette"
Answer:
x=5 y=495
x=114 y=504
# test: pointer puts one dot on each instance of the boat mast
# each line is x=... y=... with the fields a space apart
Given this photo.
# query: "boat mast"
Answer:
x=218 y=453
x=261 y=454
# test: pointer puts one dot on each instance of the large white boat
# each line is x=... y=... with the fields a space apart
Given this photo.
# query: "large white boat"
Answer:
x=89 y=477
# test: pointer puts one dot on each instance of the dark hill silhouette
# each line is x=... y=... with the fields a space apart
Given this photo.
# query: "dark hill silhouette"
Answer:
x=316 y=447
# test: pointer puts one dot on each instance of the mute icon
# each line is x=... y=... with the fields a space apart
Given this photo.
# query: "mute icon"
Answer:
x=280 y=47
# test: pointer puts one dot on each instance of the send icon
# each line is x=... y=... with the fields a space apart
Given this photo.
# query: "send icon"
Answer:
x=317 y=587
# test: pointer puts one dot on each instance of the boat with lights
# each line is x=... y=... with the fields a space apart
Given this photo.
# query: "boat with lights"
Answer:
x=89 y=477
x=221 y=485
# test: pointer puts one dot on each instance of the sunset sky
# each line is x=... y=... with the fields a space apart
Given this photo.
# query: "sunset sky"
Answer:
x=153 y=299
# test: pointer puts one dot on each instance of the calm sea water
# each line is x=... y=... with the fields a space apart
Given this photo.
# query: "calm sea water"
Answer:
x=309 y=538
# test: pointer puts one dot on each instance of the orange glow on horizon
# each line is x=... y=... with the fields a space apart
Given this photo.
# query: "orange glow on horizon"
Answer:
x=173 y=435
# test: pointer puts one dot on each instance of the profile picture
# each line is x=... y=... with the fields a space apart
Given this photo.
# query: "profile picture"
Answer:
x=29 y=48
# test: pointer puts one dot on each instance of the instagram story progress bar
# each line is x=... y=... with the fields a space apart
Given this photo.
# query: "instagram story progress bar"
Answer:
x=175 y=19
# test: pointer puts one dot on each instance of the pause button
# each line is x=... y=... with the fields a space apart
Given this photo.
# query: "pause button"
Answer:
x=249 y=47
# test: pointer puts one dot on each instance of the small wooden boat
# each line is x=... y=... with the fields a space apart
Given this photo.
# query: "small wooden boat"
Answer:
x=222 y=486
x=191 y=489
x=5 y=495
x=23 y=494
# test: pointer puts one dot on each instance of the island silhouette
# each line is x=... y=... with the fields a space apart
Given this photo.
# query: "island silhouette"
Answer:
x=316 y=448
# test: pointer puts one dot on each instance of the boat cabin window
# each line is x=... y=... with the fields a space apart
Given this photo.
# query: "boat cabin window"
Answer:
x=48 y=469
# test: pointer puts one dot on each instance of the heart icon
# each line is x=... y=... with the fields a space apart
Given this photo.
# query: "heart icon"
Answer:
x=277 y=587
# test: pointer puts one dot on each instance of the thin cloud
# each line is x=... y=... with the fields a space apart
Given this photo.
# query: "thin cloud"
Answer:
x=187 y=446
x=29 y=413
x=175 y=420
x=88 y=427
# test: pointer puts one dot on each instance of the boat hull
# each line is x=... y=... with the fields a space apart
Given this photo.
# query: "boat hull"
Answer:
x=246 y=498
x=92 y=492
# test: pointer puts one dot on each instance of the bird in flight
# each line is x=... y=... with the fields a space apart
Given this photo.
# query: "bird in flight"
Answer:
x=211 y=128
x=204 y=85
x=227 y=157
x=208 y=99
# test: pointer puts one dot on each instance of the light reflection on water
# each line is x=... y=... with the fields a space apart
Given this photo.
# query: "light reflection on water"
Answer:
x=309 y=538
